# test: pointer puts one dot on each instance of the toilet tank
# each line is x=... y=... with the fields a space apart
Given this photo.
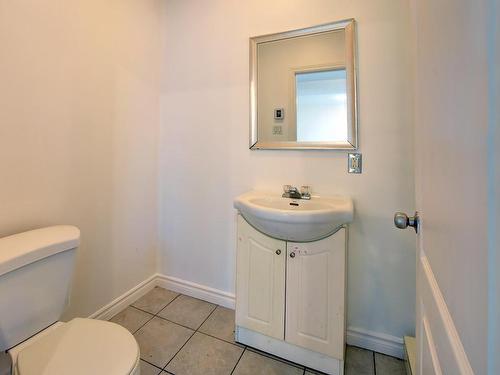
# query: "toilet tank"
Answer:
x=36 y=269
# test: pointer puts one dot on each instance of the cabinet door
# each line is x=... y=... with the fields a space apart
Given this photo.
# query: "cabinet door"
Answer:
x=315 y=294
x=260 y=282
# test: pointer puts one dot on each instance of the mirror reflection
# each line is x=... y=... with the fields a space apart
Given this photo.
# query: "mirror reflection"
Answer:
x=303 y=89
x=321 y=112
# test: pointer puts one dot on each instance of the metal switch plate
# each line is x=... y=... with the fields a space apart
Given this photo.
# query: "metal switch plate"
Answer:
x=354 y=163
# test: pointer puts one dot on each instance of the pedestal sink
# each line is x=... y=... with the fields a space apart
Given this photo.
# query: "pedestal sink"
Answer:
x=295 y=220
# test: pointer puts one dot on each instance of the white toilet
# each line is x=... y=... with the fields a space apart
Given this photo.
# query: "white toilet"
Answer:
x=36 y=270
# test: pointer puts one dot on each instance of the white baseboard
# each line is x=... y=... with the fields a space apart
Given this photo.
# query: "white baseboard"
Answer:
x=191 y=289
x=127 y=298
x=376 y=341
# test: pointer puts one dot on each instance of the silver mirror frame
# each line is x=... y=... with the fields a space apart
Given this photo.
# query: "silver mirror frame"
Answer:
x=352 y=102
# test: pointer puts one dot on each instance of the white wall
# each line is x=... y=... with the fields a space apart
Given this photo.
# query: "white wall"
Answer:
x=205 y=160
x=79 y=118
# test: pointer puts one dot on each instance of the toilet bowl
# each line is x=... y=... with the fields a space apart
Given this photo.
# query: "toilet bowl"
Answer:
x=81 y=346
x=36 y=269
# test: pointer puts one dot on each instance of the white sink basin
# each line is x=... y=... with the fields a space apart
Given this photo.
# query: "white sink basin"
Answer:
x=294 y=219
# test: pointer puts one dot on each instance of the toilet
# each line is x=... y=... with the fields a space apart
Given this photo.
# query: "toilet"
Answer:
x=36 y=270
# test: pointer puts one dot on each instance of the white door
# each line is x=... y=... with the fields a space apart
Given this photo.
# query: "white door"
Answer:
x=453 y=105
x=315 y=294
x=260 y=281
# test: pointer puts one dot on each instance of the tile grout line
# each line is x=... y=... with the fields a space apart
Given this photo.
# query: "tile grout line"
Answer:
x=194 y=330
x=209 y=315
x=276 y=358
x=153 y=315
x=181 y=325
x=244 y=347
x=159 y=368
x=168 y=304
x=239 y=345
x=141 y=310
x=238 y=361
x=190 y=337
x=150 y=319
x=190 y=328
x=183 y=345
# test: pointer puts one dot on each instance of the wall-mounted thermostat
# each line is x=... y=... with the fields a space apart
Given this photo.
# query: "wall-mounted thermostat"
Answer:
x=279 y=113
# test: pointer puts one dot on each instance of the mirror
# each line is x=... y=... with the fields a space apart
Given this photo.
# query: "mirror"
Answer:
x=303 y=89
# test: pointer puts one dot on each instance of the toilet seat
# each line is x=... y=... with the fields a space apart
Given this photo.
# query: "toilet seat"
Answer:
x=81 y=347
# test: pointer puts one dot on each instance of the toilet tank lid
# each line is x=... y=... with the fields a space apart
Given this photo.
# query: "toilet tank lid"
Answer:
x=24 y=248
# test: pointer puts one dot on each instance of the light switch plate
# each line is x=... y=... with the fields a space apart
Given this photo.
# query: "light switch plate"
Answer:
x=354 y=163
x=279 y=113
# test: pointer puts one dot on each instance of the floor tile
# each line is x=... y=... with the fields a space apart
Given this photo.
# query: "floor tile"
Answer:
x=205 y=355
x=147 y=369
x=386 y=365
x=187 y=311
x=131 y=318
x=274 y=357
x=255 y=363
x=220 y=324
x=159 y=340
x=155 y=300
x=359 y=361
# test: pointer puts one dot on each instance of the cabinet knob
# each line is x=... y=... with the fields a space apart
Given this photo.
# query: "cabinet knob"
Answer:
x=278 y=252
x=292 y=255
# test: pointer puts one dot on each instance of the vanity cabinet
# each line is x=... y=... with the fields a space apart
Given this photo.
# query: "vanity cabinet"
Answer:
x=315 y=284
x=290 y=297
x=260 y=280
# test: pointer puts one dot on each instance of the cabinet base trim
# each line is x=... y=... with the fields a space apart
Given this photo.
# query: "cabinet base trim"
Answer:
x=293 y=353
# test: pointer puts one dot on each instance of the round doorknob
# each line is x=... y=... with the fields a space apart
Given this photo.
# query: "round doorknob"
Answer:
x=278 y=252
x=403 y=221
x=292 y=255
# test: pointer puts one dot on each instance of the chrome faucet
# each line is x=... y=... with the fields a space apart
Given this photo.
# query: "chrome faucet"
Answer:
x=292 y=192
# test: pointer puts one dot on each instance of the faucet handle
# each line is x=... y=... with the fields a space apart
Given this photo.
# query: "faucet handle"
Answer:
x=305 y=191
x=287 y=188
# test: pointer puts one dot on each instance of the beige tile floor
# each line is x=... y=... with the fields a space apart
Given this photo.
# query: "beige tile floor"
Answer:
x=182 y=335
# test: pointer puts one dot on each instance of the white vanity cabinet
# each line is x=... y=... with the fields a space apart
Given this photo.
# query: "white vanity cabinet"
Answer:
x=260 y=280
x=315 y=285
x=290 y=297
